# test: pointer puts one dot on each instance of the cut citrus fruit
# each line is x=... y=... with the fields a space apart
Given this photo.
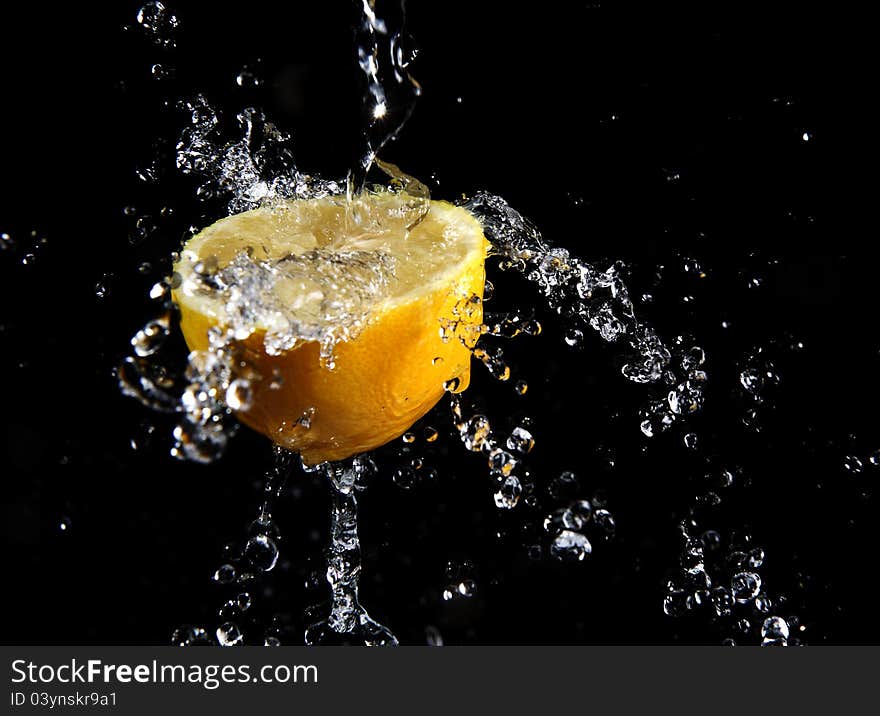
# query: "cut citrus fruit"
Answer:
x=352 y=316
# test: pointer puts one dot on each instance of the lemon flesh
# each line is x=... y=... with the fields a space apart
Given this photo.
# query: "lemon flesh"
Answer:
x=353 y=314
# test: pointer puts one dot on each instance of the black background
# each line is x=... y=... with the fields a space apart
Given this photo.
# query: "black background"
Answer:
x=642 y=133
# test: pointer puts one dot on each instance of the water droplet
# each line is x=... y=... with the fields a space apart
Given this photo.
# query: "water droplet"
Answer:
x=189 y=636
x=501 y=461
x=775 y=628
x=755 y=558
x=158 y=23
x=405 y=478
x=151 y=337
x=745 y=586
x=159 y=290
x=225 y=574
x=675 y=603
x=520 y=440
x=852 y=464
x=576 y=515
x=433 y=637
x=475 y=432
x=247 y=79
x=451 y=386
x=751 y=380
x=722 y=601
x=239 y=394
x=605 y=521
x=574 y=337
x=508 y=495
x=467 y=588
x=570 y=546
x=262 y=552
x=228 y=634
x=711 y=540
x=763 y=603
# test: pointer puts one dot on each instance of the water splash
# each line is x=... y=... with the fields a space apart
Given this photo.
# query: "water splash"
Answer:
x=252 y=167
x=589 y=298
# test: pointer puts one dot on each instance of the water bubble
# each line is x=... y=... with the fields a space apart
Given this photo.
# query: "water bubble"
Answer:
x=408 y=438
x=243 y=601
x=226 y=574
x=271 y=641
x=570 y=546
x=874 y=458
x=228 y=634
x=262 y=552
x=431 y=434
x=520 y=440
x=521 y=387
x=691 y=441
x=745 y=586
x=64 y=524
x=508 y=495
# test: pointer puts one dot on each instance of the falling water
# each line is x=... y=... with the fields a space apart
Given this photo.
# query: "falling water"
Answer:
x=348 y=621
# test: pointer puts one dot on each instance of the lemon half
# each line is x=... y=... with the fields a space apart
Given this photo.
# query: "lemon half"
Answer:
x=375 y=300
